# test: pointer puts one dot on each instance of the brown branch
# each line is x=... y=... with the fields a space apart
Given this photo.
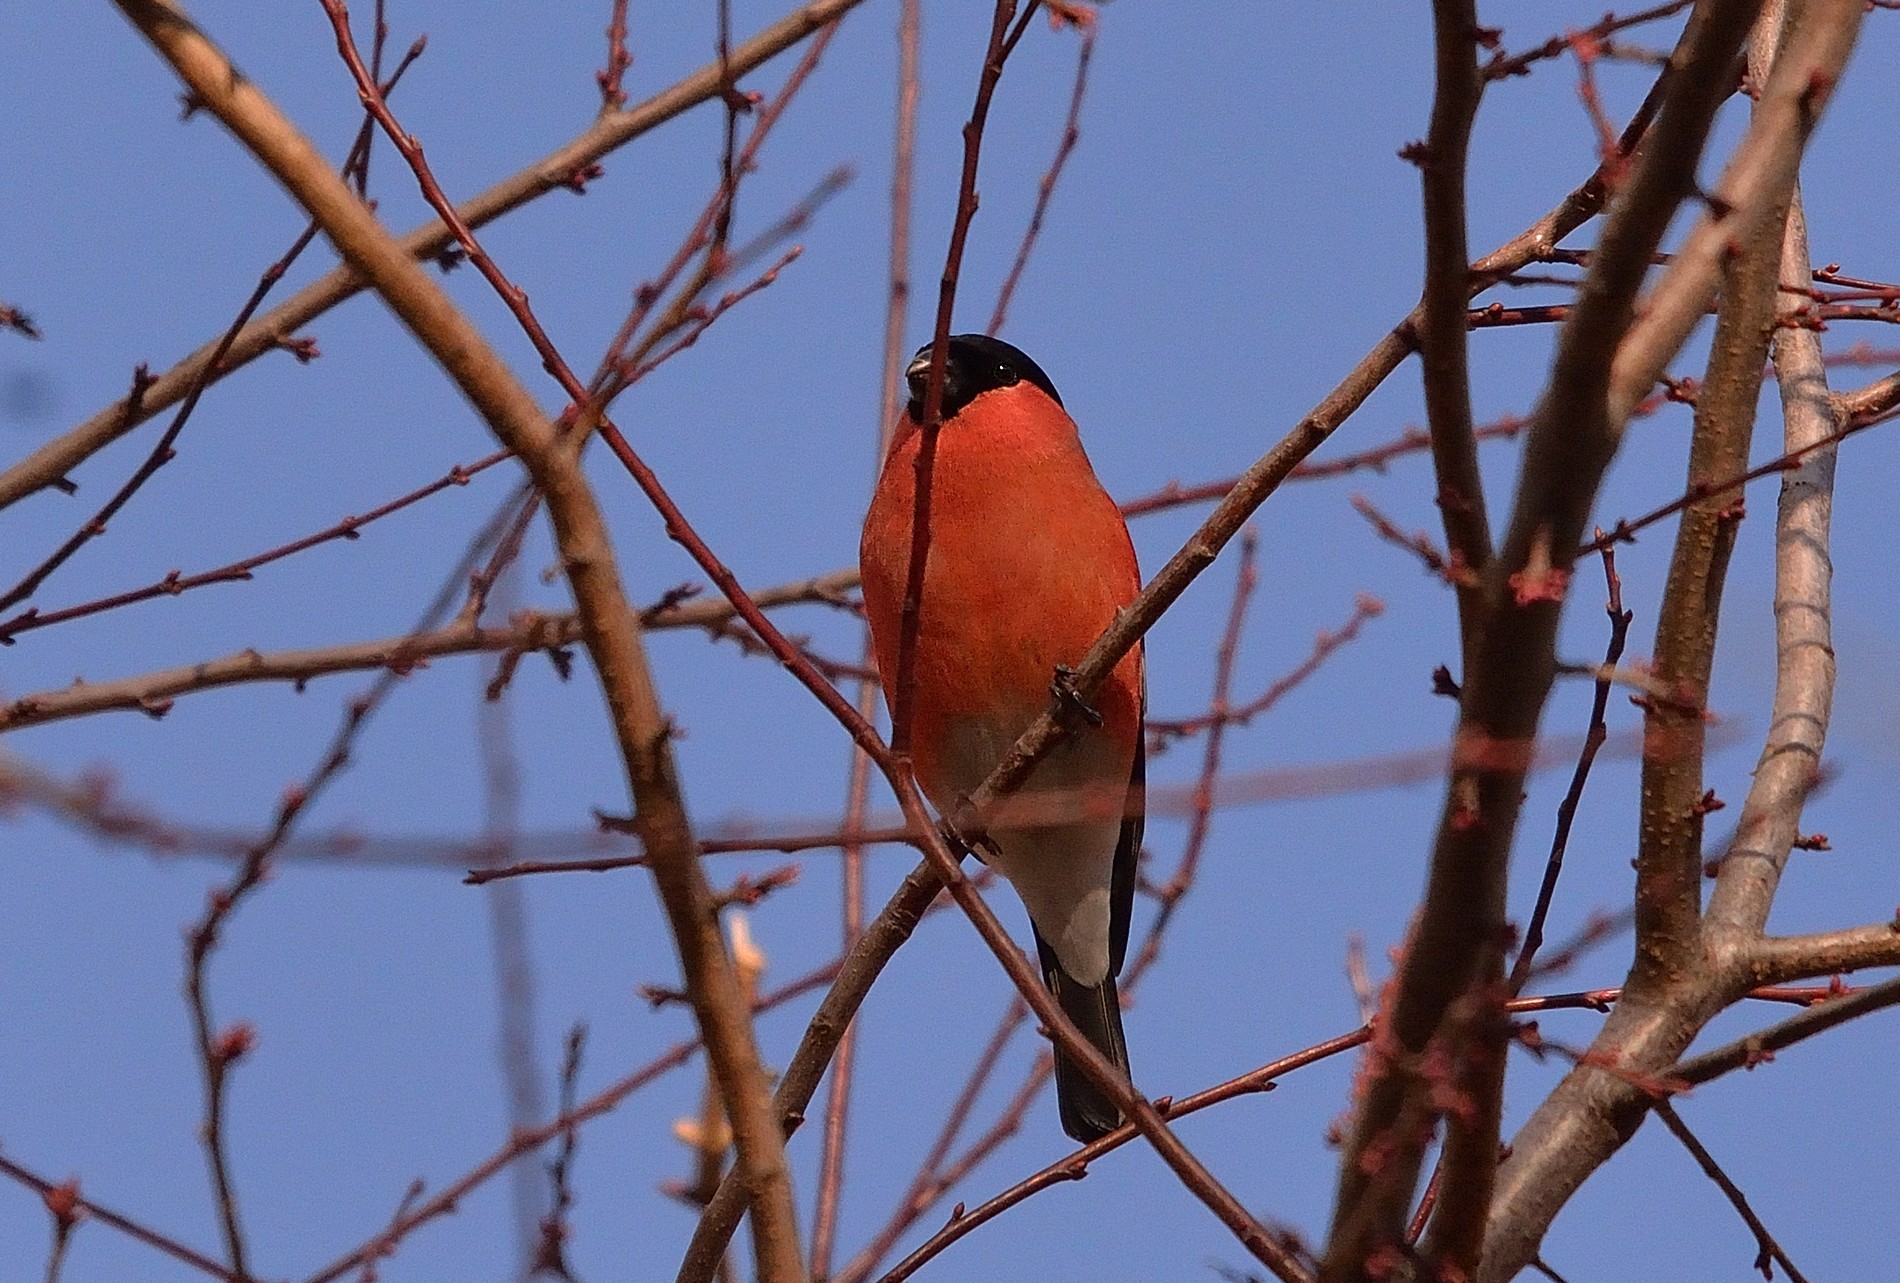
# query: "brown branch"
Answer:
x=1442 y=336
x=529 y=631
x=1452 y=968
x=1502 y=65
x=1599 y=731
x=857 y=971
x=50 y=463
x=1748 y=194
x=67 y=1193
x=1592 y=1112
x=610 y=628
x=1669 y=831
x=1046 y=188
x=1767 y=1249
x=612 y=633
x=1757 y=1048
x=1777 y=959
x=174 y=583
x=857 y=790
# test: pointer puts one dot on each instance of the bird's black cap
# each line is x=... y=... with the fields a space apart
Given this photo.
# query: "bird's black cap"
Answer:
x=975 y=364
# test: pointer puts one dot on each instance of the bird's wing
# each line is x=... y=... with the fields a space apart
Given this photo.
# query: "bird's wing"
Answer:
x=1121 y=890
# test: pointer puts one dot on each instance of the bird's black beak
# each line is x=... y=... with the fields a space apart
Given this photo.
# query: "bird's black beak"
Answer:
x=917 y=375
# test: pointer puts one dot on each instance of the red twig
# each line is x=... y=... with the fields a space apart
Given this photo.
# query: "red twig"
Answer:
x=623 y=355
x=68 y=1195
x=612 y=77
x=1418 y=543
x=450 y=1197
x=1593 y=740
x=174 y=583
x=904 y=679
x=1412 y=441
x=1501 y=65
x=1325 y=645
x=1625 y=530
x=1071 y=134
x=1586 y=46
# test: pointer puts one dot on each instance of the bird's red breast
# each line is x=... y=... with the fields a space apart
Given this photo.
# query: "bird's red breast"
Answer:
x=1029 y=561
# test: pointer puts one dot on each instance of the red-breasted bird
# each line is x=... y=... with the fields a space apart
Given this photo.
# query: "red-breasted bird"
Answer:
x=1029 y=561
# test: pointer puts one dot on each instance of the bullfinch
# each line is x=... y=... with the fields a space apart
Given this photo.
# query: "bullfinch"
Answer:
x=1029 y=561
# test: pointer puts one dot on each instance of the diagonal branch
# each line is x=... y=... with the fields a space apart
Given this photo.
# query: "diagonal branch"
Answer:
x=554 y=172
x=1756 y=1048
x=527 y=631
x=1767 y=1249
x=610 y=627
x=1790 y=106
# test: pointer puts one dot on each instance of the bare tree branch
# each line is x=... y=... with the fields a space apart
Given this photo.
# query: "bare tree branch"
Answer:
x=553 y=172
x=1804 y=645
x=610 y=628
x=1593 y=1111
x=527 y=632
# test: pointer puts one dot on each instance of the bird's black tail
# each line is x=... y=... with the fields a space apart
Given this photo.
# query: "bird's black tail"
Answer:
x=1087 y=1112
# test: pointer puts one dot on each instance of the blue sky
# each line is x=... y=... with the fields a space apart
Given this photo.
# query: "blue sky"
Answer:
x=1234 y=230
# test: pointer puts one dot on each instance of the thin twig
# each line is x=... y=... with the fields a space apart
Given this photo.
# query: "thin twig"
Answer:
x=1046 y=188
x=48 y=465
x=1767 y=1249
x=83 y=1206
x=174 y=583
x=1593 y=739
